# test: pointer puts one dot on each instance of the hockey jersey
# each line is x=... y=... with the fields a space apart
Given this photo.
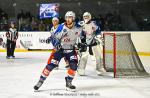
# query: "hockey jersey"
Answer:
x=52 y=37
x=53 y=30
x=12 y=34
x=89 y=31
x=67 y=37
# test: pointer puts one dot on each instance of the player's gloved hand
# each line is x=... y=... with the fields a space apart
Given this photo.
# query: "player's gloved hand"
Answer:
x=48 y=40
x=59 y=47
x=82 y=47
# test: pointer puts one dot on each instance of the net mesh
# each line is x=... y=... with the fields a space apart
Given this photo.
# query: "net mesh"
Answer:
x=128 y=63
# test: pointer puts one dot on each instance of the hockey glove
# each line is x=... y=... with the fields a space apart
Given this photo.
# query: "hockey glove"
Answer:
x=82 y=47
x=48 y=40
x=59 y=47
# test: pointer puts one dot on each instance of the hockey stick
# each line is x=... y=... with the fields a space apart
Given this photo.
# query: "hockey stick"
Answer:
x=27 y=48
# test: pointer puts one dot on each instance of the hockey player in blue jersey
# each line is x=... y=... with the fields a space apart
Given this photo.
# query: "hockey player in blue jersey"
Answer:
x=65 y=40
x=91 y=36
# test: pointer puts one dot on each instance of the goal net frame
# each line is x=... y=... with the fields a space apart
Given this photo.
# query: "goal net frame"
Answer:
x=114 y=52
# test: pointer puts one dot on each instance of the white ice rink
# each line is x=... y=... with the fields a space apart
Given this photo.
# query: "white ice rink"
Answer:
x=18 y=76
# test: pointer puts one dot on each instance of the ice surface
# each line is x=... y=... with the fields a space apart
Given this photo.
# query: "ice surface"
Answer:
x=18 y=76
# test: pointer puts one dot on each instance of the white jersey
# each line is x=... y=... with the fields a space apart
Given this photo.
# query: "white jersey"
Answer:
x=53 y=29
x=90 y=29
x=68 y=37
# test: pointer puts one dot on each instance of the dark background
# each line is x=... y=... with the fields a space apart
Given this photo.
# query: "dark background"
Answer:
x=132 y=14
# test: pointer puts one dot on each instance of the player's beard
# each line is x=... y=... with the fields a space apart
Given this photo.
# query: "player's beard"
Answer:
x=70 y=24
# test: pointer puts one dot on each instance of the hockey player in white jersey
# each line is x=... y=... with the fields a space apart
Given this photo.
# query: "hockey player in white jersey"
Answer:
x=90 y=45
x=65 y=41
x=55 y=22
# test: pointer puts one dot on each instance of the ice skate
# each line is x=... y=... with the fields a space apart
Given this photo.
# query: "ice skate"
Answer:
x=56 y=68
x=38 y=85
x=69 y=86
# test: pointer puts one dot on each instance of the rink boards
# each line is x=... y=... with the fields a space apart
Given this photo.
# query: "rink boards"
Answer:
x=37 y=41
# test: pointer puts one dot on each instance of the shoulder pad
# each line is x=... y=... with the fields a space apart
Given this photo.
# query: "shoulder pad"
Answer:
x=80 y=23
x=59 y=29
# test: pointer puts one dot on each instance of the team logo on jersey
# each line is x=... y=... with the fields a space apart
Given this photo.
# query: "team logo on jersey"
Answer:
x=65 y=30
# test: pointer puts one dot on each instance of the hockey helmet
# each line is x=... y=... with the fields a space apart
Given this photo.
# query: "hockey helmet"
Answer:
x=86 y=14
x=70 y=13
x=55 y=18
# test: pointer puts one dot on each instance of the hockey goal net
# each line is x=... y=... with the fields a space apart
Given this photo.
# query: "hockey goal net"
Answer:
x=121 y=57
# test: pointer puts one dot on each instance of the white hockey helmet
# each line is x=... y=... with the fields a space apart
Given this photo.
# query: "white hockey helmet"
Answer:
x=70 y=13
x=55 y=18
x=87 y=14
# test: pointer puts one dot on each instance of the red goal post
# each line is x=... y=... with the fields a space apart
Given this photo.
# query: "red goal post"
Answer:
x=120 y=55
